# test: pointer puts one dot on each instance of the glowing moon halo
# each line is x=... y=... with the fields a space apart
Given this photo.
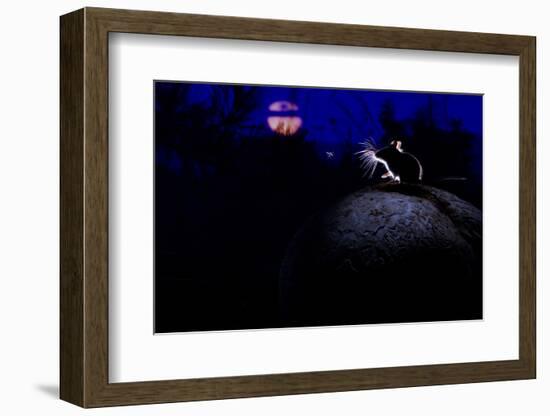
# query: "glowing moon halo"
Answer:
x=285 y=124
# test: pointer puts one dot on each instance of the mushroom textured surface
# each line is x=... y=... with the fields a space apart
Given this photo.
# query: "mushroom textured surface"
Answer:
x=387 y=253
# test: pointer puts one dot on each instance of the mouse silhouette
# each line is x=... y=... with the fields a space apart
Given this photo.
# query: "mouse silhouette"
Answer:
x=401 y=166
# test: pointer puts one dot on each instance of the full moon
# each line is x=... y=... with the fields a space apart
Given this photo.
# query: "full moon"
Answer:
x=283 y=118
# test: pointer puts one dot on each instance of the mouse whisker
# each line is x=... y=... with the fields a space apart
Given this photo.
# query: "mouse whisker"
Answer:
x=367 y=157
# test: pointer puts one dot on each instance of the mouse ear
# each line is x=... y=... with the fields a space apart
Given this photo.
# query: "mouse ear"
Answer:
x=396 y=144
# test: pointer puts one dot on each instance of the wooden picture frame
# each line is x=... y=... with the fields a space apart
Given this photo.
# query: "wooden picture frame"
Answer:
x=84 y=207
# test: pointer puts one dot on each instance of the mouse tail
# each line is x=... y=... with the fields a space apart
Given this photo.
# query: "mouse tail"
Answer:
x=452 y=179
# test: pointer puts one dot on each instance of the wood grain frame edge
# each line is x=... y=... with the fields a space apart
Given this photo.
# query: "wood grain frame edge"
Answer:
x=84 y=172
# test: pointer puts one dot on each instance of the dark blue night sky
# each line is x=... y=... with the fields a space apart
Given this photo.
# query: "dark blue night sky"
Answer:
x=331 y=116
x=239 y=169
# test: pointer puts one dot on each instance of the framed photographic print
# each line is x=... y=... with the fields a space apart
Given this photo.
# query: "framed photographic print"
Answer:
x=256 y=207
